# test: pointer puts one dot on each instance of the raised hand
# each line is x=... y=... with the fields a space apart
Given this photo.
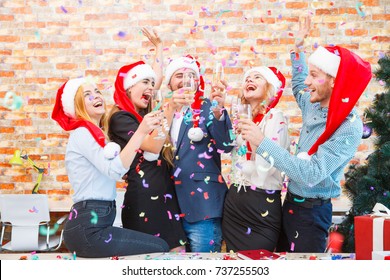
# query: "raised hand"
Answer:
x=154 y=38
x=218 y=92
x=303 y=32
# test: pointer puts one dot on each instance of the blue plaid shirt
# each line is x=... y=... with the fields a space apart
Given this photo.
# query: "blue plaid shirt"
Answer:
x=319 y=177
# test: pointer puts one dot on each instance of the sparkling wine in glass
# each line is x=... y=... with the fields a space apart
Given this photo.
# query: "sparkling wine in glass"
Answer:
x=218 y=75
x=189 y=82
x=244 y=111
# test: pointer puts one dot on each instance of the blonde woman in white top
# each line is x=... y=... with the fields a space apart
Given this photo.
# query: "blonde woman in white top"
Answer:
x=252 y=209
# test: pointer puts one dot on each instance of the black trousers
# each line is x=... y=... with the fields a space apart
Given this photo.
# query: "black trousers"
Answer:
x=305 y=225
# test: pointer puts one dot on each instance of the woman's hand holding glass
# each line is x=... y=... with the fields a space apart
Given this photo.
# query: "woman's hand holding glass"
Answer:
x=251 y=133
x=150 y=122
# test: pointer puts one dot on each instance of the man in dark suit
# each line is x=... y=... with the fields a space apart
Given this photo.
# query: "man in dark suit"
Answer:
x=200 y=133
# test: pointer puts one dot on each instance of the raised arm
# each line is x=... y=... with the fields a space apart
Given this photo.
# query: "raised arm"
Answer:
x=157 y=65
x=299 y=66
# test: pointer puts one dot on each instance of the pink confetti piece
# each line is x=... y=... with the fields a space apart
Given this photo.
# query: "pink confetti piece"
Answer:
x=292 y=246
x=206 y=195
x=190 y=12
x=204 y=155
x=200 y=164
x=192 y=175
x=192 y=147
x=211 y=242
x=33 y=210
x=169 y=215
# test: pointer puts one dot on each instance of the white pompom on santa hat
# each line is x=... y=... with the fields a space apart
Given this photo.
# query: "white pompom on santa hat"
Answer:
x=325 y=60
x=138 y=73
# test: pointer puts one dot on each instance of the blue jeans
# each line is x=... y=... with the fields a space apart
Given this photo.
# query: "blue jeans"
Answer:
x=89 y=233
x=204 y=236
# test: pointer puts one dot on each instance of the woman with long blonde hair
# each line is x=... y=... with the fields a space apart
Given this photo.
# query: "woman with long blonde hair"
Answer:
x=93 y=167
x=253 y=210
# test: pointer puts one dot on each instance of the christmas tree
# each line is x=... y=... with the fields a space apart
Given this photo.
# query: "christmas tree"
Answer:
x=368 y=184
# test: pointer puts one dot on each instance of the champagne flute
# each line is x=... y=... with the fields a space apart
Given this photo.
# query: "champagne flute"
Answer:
x=189 y=86
x=157 y=103
x=244 y=111
x=218 y=75
x=233 y=113
x=189 y=83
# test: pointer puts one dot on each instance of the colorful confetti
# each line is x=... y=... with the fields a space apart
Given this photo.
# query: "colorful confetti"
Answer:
x=94 y=218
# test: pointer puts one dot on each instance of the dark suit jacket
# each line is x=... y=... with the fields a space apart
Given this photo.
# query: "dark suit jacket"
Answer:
x=199 y=184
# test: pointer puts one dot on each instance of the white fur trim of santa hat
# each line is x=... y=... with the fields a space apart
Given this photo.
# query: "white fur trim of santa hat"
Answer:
x=325 y=60
x=267 y=74
x=179 y=63
x=68 y=94
x=138 y=73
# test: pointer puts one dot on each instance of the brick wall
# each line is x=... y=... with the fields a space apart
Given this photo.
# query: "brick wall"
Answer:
x=43 y=43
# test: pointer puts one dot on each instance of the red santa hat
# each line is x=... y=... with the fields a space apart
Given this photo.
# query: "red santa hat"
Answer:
x=128 y=76
x=64 y=110
x=352 y=75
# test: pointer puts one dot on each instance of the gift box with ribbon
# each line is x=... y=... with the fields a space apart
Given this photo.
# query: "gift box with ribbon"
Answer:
x=372 y=232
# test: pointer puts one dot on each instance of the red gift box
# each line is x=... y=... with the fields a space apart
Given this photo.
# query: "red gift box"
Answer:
x=364 y=236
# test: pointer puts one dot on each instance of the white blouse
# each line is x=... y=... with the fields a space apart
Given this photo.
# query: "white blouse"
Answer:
x=257 y=172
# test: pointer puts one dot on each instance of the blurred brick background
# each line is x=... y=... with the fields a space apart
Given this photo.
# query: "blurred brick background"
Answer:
x=45 y=42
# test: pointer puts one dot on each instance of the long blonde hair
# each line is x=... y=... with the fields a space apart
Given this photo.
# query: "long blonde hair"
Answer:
x=167 y=152
x=81 y=110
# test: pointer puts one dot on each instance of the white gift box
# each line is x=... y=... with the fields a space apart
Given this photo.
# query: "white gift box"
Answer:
x=381 y=255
